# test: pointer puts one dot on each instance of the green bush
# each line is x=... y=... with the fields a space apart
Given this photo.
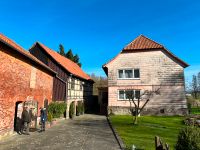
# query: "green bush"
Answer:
x=80 y=108
x=57 y=109
x=188 y=139
x=71 y=110
x=49 y=117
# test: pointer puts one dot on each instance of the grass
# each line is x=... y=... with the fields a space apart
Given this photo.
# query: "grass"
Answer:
x=195 y=110
x=143 y=134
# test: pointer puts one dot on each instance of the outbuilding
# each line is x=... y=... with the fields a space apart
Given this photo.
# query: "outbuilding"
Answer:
x=24 y=80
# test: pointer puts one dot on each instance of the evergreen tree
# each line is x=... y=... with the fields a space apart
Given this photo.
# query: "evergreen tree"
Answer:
x=76 y=60
x=69 y=55
x=61 y=50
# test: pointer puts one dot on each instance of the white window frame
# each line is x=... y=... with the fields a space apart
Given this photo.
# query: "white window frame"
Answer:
x=125 y=94
x=124 y=78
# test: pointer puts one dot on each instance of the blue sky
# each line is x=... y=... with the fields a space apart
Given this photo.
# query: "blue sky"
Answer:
x=98 y=29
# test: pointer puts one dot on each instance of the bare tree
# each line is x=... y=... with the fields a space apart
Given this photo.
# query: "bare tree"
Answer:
x=136 y=98
x=198 y=83
x=194 y=86
x=99 y=81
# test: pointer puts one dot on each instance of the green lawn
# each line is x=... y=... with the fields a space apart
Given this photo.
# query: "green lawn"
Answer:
x=195 y=110
x=143 y=134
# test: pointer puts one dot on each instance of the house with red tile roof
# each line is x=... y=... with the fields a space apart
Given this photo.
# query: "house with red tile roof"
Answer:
x=146 y=65
x=24 y=81
x=71 y=84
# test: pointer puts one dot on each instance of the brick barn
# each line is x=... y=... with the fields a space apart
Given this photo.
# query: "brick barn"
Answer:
x=71 y=84
x=24 y=80
x=146 y=65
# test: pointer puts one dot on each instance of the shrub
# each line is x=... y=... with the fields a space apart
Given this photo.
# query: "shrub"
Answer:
x=188 y=139
x=78 y=108
x=71 y=110
x=57 y=109
x=49 y=117
x=82 y=108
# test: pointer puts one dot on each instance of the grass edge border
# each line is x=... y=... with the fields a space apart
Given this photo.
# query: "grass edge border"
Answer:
x=116 y=135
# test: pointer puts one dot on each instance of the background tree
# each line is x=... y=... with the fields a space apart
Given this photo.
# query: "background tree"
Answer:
x=99 y=82
x=198 y=84
x=69 y=55
x=61 y=50
x=194 y=86
x=136 y=100
x=76 y=60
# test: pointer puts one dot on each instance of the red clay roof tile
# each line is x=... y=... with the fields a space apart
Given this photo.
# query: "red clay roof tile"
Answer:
x=18 y=48
x=142 y=42
x=69 y=65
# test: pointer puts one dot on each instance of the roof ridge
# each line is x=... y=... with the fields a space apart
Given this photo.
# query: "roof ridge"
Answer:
x=152 y=40
x=12 y=41
x=143 y=46
x=13 y=45
x=142 y=42
x=57 y=53
x=68 y=64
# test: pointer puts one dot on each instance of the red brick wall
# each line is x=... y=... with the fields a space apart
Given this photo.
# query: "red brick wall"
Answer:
x=15 y=78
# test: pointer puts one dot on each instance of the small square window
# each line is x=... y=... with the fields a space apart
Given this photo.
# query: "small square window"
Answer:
x=136 y=73
x=130 y=94
x=121 y=94
x=121 y=74
x=128 y=73
x=137 y=94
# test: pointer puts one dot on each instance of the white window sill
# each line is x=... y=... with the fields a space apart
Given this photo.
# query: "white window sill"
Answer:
x=128 y=78
x=126 y=99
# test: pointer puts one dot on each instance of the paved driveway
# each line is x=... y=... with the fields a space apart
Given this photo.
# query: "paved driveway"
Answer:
x=87 y=132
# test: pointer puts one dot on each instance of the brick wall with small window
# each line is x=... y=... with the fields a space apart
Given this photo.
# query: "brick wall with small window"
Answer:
x=128 y=74
x=128 y=94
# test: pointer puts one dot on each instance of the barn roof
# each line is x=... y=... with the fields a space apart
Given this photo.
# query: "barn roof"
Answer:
x=23 y=52
x=66 y=63
x=142 y=44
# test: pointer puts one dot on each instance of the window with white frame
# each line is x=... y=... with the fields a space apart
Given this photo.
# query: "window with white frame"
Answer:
x=128 y=74
x=128 y=94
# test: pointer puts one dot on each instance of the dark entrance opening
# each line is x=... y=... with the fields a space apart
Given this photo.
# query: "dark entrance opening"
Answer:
x=17 y=119
x=103 y=100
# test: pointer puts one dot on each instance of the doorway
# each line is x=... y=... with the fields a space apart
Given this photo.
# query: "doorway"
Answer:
x=33 y=111
x=18 y=114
